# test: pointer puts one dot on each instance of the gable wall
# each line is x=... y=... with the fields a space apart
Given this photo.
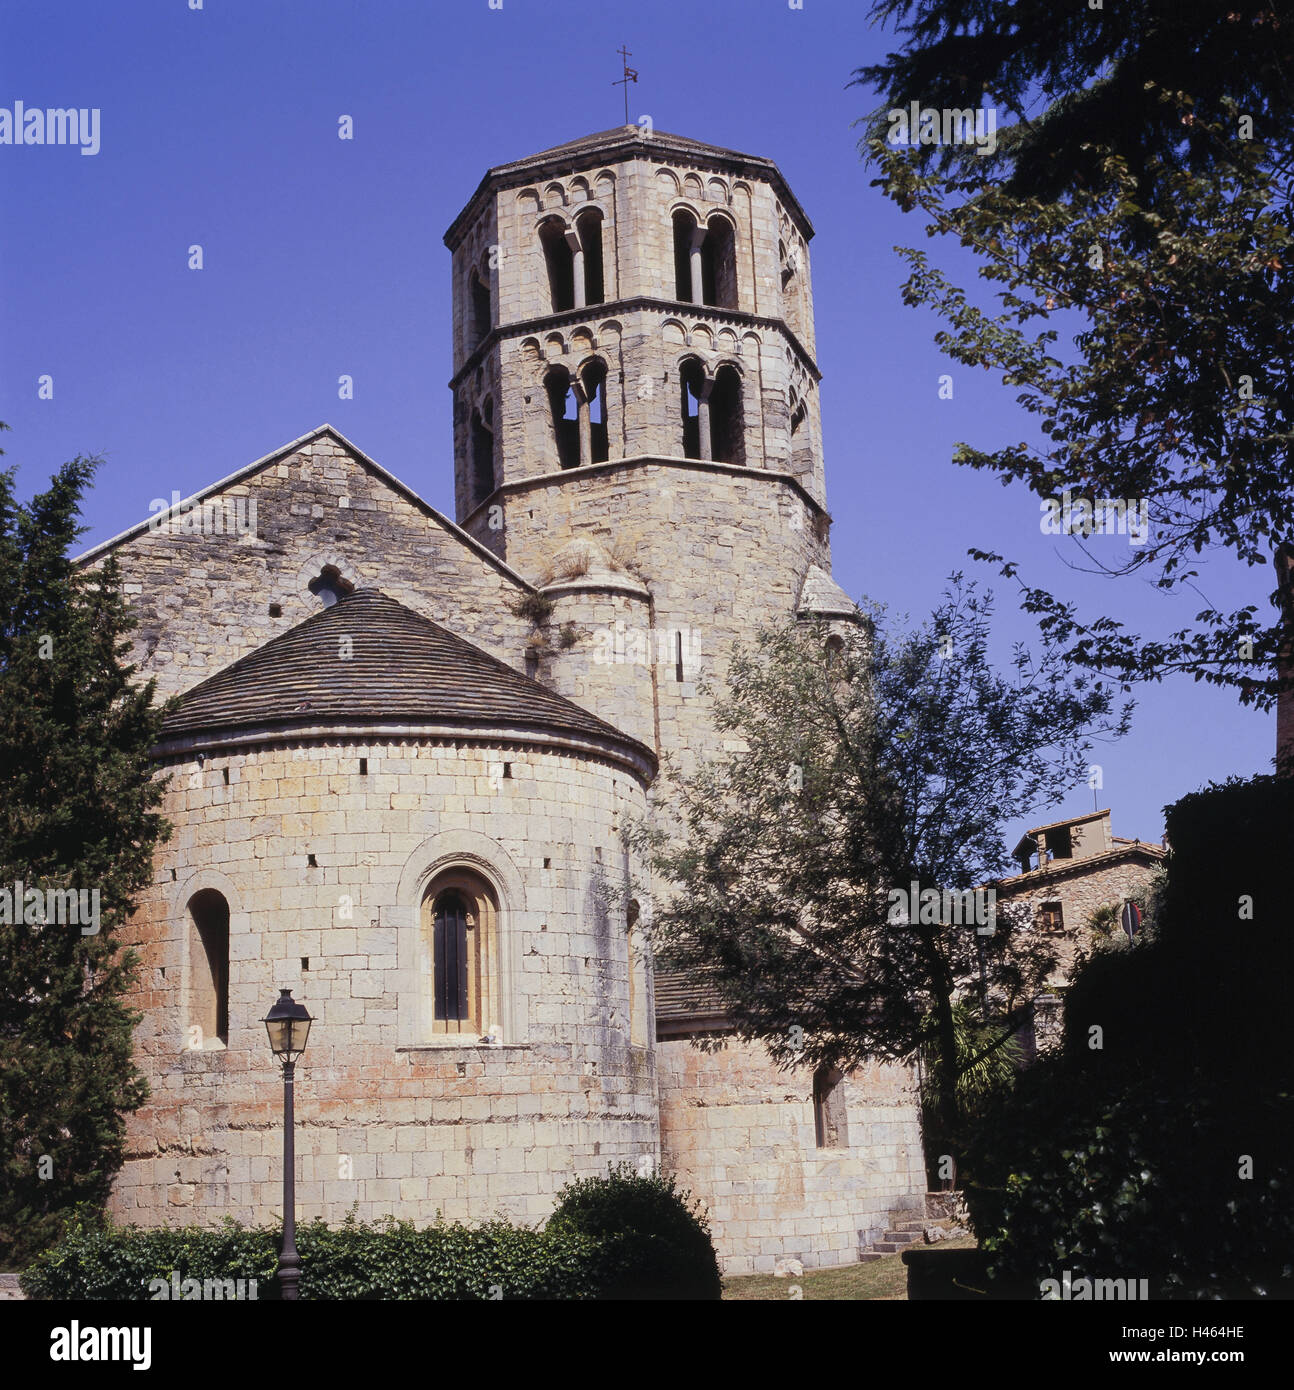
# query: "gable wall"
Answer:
x=202 y=601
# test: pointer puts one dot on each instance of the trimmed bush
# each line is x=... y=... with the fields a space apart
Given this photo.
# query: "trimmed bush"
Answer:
x=656 y=1237
x=383 y=1260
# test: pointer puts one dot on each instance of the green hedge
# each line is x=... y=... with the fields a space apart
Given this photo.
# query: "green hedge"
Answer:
x=385 y=1260
x=618 y=1236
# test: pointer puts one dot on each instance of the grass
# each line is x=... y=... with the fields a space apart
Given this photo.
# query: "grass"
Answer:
x=883 y=1280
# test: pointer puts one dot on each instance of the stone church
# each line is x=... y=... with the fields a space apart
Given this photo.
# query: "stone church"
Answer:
x=407 y=747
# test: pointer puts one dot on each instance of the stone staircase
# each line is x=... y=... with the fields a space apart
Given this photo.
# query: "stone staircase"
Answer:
x=900 y=1235
x=907 y=1226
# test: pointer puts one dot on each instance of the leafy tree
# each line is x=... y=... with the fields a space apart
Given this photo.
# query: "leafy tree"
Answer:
x=1141 y=198
x=984 y=1067
x=850 y=777
x=1158 y=1139
x=1073 y=82
x=78 y=813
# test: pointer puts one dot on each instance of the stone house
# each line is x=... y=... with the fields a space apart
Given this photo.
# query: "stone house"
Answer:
x=1068 y=869
x=406 y=746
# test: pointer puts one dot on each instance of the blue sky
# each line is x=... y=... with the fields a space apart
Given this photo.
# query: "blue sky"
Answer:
x=323 y=257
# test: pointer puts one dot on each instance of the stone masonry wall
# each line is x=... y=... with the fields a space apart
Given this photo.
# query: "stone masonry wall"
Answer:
x=740 y=1133
x=388 y=1117
x=1079 y=891
x=204 y=600
x=609 y=666
x=723 y=552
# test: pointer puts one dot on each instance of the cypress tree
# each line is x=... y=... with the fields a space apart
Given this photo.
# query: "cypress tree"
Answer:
x=78 y=811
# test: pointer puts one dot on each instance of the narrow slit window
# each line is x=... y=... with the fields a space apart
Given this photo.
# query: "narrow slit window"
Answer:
x=208 y=1021
x=829 y=1119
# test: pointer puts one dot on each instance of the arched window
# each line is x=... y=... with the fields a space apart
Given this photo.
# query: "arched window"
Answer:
x=829 y=1108
x=481 y=313
x=705 y=260
x=719 y=263
x=482 y=453
x=564 y=410
x=727 y=418
x=207 y=1025
x=801 y=444
x=594 y=378
x=692 y=390
x=589 y=226
x=684 y=229
x=460 y=918
x=559 y=259
x=637 y=971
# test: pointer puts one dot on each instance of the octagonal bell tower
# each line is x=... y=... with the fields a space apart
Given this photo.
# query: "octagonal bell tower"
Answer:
x=630 y=295
x=634 y=370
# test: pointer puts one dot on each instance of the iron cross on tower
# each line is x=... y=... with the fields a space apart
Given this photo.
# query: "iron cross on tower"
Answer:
x=630 y=75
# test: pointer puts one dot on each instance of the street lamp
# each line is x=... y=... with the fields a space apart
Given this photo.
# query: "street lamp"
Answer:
x=288 y=1025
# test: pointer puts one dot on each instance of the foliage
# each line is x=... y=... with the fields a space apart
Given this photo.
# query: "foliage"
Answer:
x=1139 y=1177
x=1147 y=207
x=535 y=608
x=78 y=813
x=1071 y=82
x=847 y=778
x=659 y=1234
x=1104 y=923
x=1158 y=1142
x=986 y=1063
x=94 y=1259
x=618 y=1236
x=357 y=1260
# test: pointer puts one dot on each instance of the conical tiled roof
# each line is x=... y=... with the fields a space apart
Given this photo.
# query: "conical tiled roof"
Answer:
x=368 y=660
x=821 y=596
x=617 y=135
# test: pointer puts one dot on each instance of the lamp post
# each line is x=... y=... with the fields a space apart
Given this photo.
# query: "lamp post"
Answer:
x=288 y=1025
